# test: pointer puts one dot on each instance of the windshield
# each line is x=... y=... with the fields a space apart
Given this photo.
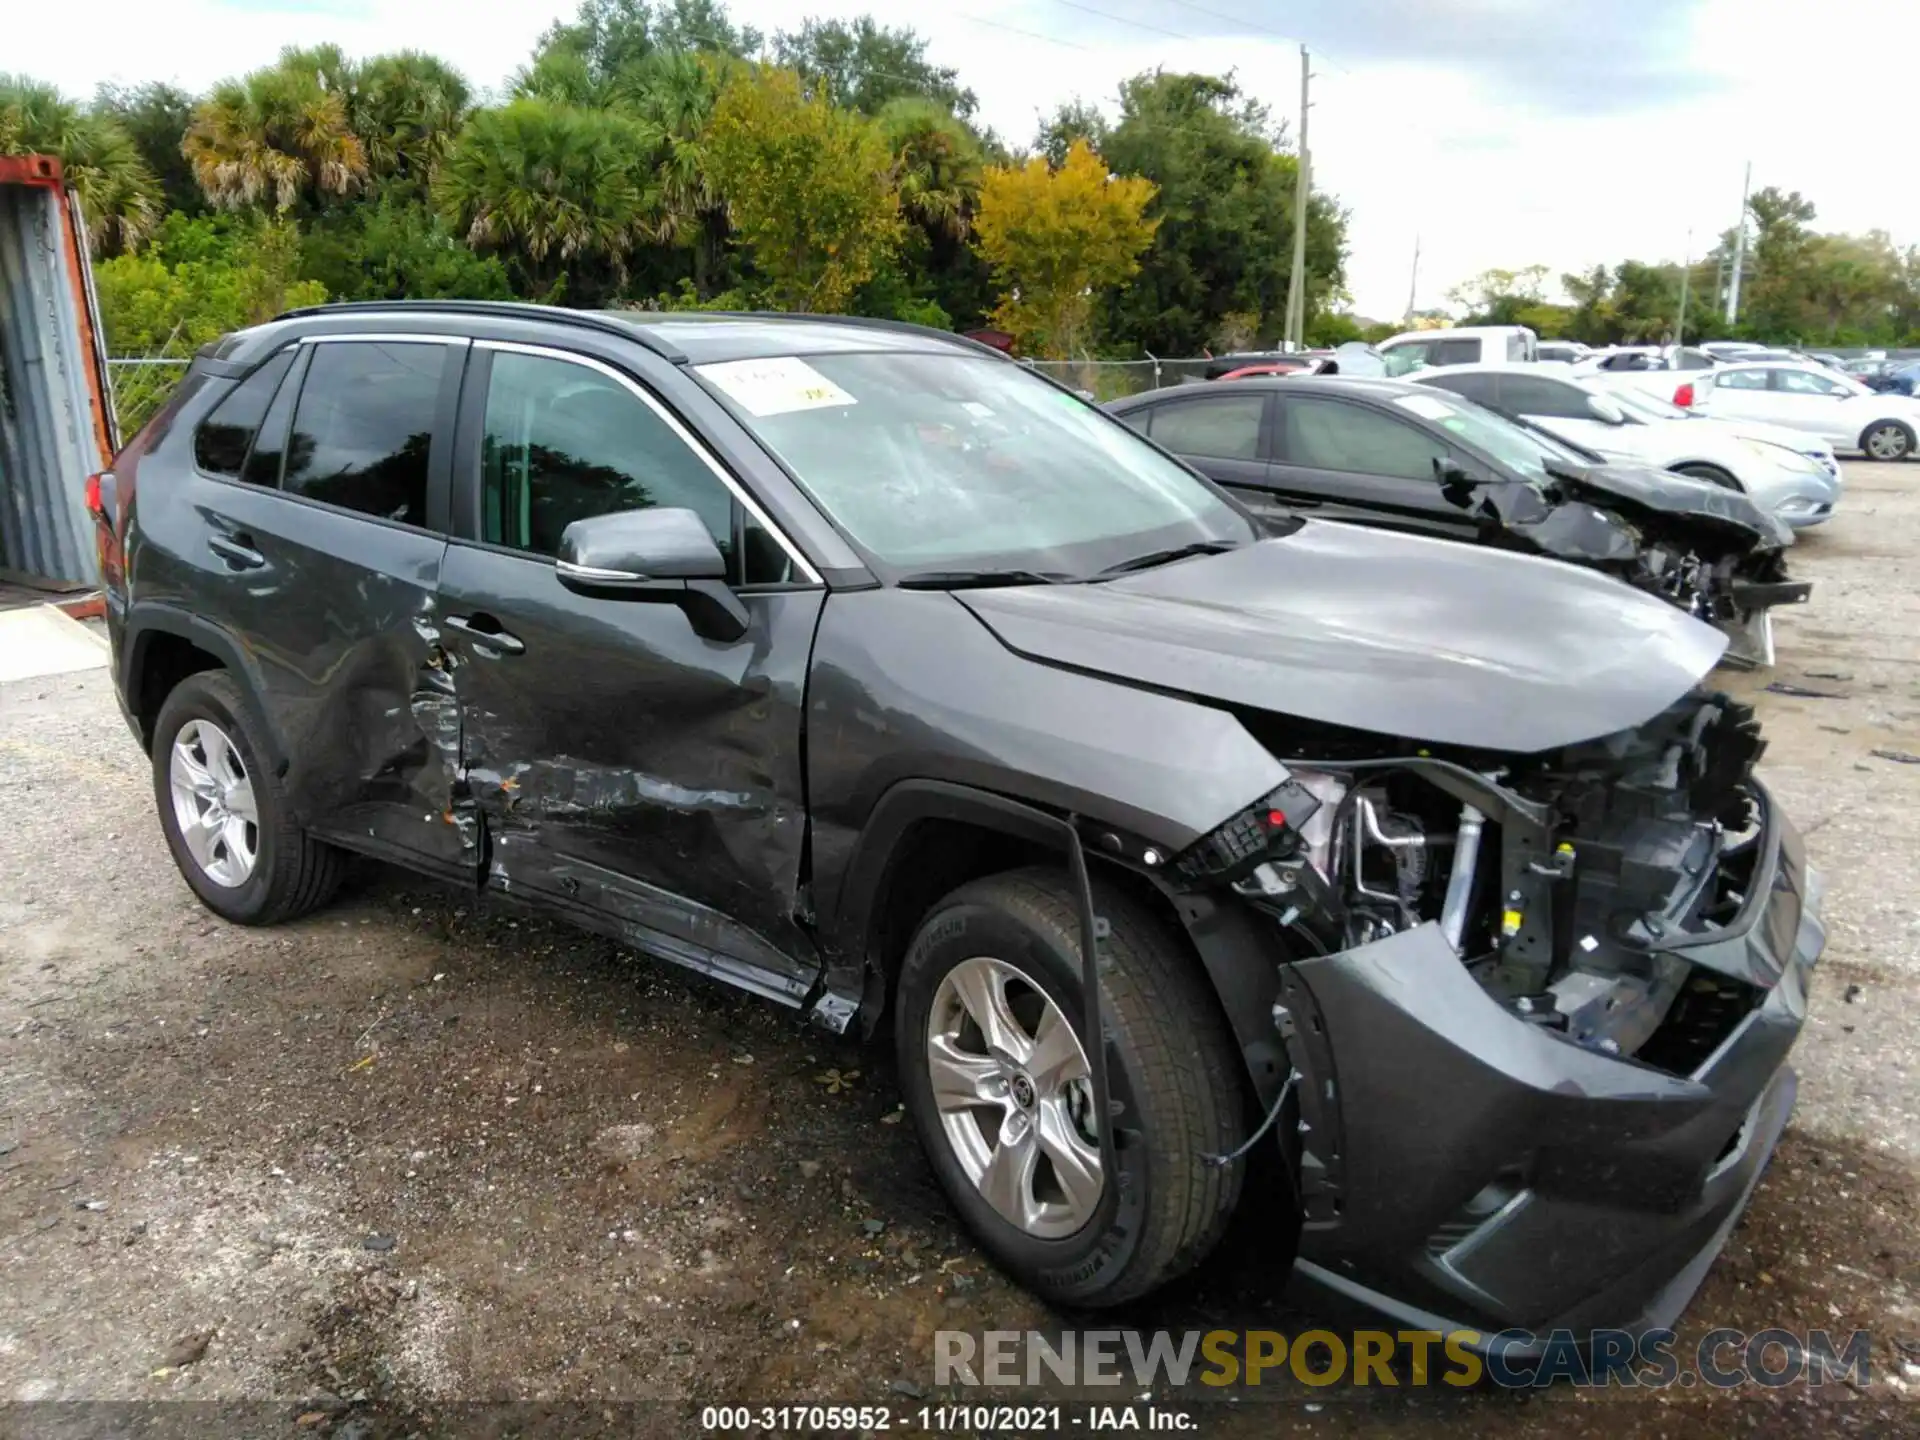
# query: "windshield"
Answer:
x=1527 y=451
x=942 y=461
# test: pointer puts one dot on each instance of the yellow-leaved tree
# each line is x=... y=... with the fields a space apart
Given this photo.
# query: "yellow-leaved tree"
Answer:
x=1054 y=237
x=809 y=188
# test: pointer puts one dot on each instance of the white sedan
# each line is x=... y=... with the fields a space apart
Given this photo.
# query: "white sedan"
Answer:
x=1810 y=399
x=1792 y=475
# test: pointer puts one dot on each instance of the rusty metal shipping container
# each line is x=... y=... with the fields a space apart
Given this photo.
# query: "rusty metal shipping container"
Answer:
x=56 y=422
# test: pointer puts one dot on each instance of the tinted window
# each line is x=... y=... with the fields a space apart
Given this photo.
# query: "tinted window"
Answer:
x=270 y=443
x=1687 y=358
x=363 y=427
x=1454 y=352
x=564 y=443
x=1801 y=382
x=220 y=444
x=1224 y=426
x=1516 y=347
x=1330 y=435
x=1478 y=388
x=1530 y=395
x=1740 y=380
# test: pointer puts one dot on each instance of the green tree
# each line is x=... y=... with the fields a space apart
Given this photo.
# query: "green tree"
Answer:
x=1225 y=211
x=938 y=164
x=866 y=65
x=155 y=117
x=118 y=194
x=407 y=108
x=547 y=186
x=581 y=60
x=1056 y=237
x=396 y=249
x=808 y=186
x=1071 y=121
x=278 y=136
x=672 y=93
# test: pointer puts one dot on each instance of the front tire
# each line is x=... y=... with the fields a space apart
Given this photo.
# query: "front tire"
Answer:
x=1887 y=440
x=995 y=1073
x=225 y=813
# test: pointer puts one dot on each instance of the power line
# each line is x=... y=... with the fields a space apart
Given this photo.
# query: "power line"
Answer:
x=1123 y=20
x=1015 y=29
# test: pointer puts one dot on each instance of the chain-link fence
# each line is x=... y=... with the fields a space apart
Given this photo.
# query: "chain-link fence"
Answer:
x=140 y=387
x=1111 y=379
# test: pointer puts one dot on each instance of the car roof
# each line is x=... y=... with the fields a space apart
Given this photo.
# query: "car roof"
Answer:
x=1551 y=369
x=687 y=337
x=1354 y=386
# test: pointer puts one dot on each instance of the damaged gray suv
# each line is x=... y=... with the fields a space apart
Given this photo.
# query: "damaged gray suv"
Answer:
x=859 y=667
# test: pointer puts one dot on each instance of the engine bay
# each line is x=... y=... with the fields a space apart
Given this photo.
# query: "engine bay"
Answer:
x=1562 y=881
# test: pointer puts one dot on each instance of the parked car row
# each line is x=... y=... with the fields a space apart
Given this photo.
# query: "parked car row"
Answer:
x=1410 y=456
x=1157 y=822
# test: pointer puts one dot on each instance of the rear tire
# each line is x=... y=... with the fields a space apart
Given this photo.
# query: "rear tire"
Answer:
x=256 y=873
x=1887 y=440
x=1173 y=1076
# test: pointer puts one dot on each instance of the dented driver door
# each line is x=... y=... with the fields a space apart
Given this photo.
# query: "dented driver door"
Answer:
x=626 y=768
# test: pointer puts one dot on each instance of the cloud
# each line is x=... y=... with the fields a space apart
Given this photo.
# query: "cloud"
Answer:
x=1557 y=56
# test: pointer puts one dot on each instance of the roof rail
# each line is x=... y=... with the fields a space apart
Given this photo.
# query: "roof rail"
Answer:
x=865 y=322
x=505 y=309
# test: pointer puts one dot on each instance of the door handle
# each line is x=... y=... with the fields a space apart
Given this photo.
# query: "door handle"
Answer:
x=237 y=550
x=485 y=630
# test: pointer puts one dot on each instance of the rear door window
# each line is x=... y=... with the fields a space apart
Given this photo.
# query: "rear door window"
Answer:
x=1226 y=427
x=363 y=427
x=220 y=444
x=1740 y=380
x=1481 y=389
x=1454 y=352
x=1548 y=399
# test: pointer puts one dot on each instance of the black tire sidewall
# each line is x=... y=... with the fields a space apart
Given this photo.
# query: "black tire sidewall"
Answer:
x=1079 y=1267
x=200 y=697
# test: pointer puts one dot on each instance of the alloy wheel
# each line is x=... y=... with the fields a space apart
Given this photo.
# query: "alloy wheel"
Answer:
x=1887 y=442
x=1014 y=1090
x=213 y=803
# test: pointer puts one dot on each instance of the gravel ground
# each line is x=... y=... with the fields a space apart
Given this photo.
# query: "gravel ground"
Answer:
x=413 y=1153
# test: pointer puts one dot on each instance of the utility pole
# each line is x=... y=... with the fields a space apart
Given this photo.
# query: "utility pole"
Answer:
x=1297 y=288
x=1739 y=252
x=1413 y=285
x=1686 y=269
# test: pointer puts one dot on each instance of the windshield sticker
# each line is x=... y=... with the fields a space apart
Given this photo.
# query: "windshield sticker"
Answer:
x=777 y=385
x=1426 y=405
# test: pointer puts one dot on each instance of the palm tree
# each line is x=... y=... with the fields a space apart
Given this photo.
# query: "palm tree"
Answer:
x=278 y=135
x=672 y=93
x=937 y=165
x=118 y=195
x=407 y=108
x=547 y=184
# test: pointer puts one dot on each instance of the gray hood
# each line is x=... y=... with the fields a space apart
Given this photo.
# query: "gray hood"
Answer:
x=1422 y=639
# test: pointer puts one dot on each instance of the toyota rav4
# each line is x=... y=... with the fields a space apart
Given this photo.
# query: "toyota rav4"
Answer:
x=860 y=667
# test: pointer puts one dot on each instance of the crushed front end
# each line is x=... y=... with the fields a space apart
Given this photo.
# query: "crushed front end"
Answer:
x=1539 y=1008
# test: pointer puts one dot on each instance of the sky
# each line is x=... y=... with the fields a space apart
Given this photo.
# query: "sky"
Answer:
x=1496 y=133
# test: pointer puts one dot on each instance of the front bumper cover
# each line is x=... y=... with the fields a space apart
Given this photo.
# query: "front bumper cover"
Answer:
x=1464 y=1169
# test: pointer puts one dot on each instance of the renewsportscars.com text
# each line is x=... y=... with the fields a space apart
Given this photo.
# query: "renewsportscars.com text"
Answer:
x=1652 y=1359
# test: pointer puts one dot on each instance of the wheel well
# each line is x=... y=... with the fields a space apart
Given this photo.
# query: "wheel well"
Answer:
x=164 y=661
x=933 y=858
x=937 y=856
x=1701 y=470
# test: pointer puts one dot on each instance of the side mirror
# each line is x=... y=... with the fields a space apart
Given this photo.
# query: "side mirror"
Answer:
x=1457 y=483
x=657 y=555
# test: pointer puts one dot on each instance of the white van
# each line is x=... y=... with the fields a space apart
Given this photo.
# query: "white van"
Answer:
x=1463 y=345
